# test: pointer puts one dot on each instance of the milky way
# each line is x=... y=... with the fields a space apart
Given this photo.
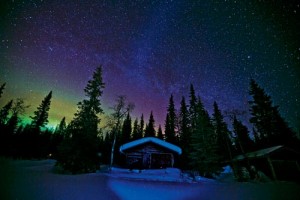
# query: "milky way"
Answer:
x=150 y=50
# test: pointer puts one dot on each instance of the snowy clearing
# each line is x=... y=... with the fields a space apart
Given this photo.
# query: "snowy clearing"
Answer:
x=36 y=180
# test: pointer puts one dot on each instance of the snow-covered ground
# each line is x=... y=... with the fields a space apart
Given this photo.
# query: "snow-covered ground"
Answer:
x=36 y=180
x=167 y=175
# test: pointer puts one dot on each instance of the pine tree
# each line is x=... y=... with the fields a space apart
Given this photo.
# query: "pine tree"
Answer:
x=126 y=130
x=170 y=122
x=40 y=118
x=243 y=141
x=167 y=127
x=4 y=121
x=192 y=108
x=160 y=133
x=150 y=128
x=257 y=140
x=223 y=135
x=270 y=127
x=136 y=130
x=61 y=128
x=1 y=89
x=58 y=136
x=203 y=156
x=12 y=124
x=142 y=124
x=184 y=133
x=8 y=129
x=17 y=109
x=79 y=152
x=4 y=113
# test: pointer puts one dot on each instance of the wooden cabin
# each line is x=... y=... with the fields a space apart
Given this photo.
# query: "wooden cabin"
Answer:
x=150 y=153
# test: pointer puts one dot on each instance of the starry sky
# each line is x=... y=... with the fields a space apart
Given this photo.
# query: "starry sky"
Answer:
x=150 y=50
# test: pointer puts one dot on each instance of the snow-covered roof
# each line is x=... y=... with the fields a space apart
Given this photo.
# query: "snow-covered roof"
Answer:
x=154 y=140
x=259 y=153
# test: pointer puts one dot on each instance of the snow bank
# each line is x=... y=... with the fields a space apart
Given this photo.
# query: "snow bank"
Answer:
x=168 y=174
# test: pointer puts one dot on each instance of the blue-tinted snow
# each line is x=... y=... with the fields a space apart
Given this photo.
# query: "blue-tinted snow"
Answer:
x=36 y=180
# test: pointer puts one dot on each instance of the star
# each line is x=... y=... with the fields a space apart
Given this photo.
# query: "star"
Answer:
x=150 y=50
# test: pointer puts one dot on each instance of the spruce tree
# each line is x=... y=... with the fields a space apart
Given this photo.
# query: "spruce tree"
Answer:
x=150 y=128
x=4 y=121
x=184 y=133
x=4 y=113
x=270 y=127
x=160 y=133
x=243 y=141
x=8 y=131
x=192 y=108
x=136 y=130
x=58 y=136
x=17 y=109
x=79 y=152
x=167 y=127
x=204 y=153
x=40 y=118
x=142 y=124
x=12 y=125
x=223 y=135
x=1 y=89
x=62 y=126
x=170 y=122
x=126 y=130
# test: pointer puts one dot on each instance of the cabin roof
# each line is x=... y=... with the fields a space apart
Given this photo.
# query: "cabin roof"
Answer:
x=262 y=152
x=154 y=140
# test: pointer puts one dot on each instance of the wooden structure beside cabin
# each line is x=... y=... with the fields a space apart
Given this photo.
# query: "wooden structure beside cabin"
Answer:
x=150 y=153
x=278 y=162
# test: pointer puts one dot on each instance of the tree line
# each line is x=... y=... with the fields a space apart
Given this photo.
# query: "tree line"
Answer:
x=80 y=146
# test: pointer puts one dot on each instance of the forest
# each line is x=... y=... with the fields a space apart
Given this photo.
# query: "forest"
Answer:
x=81 y=145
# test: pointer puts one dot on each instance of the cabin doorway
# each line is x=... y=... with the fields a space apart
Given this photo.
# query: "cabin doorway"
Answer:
x=161 y=160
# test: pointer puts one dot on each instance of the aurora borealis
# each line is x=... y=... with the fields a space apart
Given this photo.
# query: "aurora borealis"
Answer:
x=150 y=50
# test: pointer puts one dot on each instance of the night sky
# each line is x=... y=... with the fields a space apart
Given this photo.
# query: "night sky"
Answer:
x=150 y=50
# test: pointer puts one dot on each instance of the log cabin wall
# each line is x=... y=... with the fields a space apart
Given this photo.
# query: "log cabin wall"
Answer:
x=148 y=156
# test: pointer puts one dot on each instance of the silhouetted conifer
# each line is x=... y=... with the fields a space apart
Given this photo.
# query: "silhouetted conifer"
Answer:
x=204 y=150
x=184 y=133
x=2 y=87
x=126 y=130
x=243 y=142
x=270 y=127
x=79 y=152
x=4 y=113
x=223 y=135
x=150 y=128
x=160 y=133
x=170 y=123
x=136 y=130
x=142 y=124
x=58 y=136
x=40 y=118
x=4 y=132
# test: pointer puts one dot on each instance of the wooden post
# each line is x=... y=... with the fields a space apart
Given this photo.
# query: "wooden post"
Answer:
x=272 y=168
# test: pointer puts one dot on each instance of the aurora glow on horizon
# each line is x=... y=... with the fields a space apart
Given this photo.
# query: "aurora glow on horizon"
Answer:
x=150 y=50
